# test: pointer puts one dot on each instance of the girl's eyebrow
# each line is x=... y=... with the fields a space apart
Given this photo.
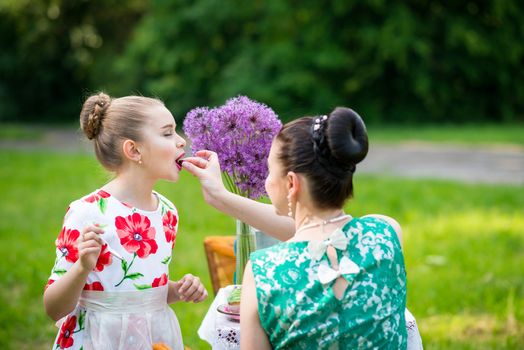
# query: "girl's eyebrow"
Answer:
x=168 y=126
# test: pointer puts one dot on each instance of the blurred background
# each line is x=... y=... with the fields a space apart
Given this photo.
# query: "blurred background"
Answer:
x=393 y=61
x=439 y=84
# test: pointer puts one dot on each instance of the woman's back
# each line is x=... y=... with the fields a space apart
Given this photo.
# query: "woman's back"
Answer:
x=298 y=311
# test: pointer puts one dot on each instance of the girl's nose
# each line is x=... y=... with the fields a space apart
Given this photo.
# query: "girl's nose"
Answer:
x=181 y=143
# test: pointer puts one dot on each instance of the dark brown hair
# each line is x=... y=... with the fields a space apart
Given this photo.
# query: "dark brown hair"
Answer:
x=327 y=154
x=108 y=122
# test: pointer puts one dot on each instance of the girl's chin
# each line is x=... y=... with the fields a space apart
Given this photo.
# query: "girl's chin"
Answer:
x=173 y=177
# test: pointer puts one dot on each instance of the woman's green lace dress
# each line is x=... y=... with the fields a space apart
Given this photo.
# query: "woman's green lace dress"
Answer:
x=296 y=302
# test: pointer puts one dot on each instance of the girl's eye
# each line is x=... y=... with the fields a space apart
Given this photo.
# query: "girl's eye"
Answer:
x=167 y=135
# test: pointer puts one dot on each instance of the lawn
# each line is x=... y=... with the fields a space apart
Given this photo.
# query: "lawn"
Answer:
x=468 y=134
x=464 y=249
x=12 y=132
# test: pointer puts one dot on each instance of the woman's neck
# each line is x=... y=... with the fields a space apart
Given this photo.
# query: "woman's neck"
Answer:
x=133 y=190
x=313 y=219
x=309 y=223
x=307 y=215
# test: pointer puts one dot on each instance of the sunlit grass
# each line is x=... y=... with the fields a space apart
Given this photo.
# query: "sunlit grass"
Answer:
x=468 y=134
x=489 y=134
x=18 y=132
x=463 y=244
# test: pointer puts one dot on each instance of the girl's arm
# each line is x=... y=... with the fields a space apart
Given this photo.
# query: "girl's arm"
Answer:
x=252 y=336
x=61 y=297
x=259 y=215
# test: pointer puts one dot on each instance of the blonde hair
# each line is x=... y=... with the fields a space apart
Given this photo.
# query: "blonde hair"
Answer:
x=109 y=122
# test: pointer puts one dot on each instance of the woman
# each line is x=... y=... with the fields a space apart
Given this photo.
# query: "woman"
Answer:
x=338 y=282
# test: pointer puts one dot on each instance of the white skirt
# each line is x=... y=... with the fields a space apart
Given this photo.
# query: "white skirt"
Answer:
x=129 y=320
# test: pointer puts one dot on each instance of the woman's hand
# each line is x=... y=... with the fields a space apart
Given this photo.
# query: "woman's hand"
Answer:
x=188 y=289
x=89 y=247
x=206 y=168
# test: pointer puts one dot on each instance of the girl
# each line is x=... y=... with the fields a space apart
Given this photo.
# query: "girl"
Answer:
x=110 y=283
x=339 y=282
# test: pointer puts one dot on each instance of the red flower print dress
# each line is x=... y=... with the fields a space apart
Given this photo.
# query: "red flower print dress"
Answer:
x=124 y=302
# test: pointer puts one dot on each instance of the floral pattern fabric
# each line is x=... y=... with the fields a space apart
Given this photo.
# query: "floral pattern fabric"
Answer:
x=143 y=239
x=298 y=311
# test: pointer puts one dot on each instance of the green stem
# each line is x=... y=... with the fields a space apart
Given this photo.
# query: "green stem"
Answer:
x=56 y=261
x=245 y=246
x=126 y=270
x=229 y=182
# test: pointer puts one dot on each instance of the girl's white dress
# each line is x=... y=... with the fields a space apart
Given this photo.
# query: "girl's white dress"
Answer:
x=124 y=302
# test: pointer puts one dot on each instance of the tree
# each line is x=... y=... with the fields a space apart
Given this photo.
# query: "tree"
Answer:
x=424 y=61
x=50 y=51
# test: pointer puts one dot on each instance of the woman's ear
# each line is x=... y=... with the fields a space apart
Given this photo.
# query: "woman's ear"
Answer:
x=131 y=151
x=293 y=184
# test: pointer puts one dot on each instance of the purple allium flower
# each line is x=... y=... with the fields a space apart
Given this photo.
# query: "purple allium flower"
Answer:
x=240 y=132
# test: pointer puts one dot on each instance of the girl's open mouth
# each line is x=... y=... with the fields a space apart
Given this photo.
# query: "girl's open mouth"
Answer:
x=179 y=161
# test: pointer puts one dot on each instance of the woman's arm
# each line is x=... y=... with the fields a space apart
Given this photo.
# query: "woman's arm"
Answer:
x=259 y=215
x=61 y=297
x=252 y=335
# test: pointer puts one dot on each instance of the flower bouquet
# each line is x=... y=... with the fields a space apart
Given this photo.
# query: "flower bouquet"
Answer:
x=240 y=132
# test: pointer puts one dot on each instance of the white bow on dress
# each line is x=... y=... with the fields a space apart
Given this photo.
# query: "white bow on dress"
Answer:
x=326 y=274
x=337 y=239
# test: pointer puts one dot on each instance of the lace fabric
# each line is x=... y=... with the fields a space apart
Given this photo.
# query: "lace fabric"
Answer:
x=228 y=338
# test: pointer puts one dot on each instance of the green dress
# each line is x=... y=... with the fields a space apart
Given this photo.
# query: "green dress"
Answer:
x=296 y=303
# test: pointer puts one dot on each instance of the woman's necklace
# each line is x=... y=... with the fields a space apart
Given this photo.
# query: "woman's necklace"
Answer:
x=339 y=217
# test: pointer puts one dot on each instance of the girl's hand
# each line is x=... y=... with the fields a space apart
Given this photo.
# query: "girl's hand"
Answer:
x=206 y=168
x=89 y=247
x=190 y=288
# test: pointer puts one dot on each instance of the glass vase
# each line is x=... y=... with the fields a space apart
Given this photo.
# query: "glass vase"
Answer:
x=245 y=245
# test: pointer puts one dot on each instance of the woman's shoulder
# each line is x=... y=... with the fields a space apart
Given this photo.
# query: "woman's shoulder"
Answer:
x=381 y=221
x=262 y=253
x=280 y=249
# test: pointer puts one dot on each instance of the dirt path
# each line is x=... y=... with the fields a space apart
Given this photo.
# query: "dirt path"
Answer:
x=482 y=164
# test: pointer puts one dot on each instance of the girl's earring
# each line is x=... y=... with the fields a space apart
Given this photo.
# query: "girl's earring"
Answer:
x=140 y=161
x=289 y=210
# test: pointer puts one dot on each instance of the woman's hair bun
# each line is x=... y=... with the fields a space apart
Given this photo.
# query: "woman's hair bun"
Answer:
x=347 y=136
x=93 y=113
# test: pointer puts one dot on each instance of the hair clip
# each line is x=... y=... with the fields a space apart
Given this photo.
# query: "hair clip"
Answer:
x=319 y=121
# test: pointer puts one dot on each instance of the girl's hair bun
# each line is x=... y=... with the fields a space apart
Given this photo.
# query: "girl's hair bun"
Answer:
x=93 y=113
x=347 y=136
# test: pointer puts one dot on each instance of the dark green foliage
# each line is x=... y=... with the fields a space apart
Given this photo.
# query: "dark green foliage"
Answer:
x=51 y=50
x=414 y=61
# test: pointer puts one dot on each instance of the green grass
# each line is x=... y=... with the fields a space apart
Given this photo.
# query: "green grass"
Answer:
x=458 y=134
x=19 y=132
x=504 y=134
x=464 y=249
